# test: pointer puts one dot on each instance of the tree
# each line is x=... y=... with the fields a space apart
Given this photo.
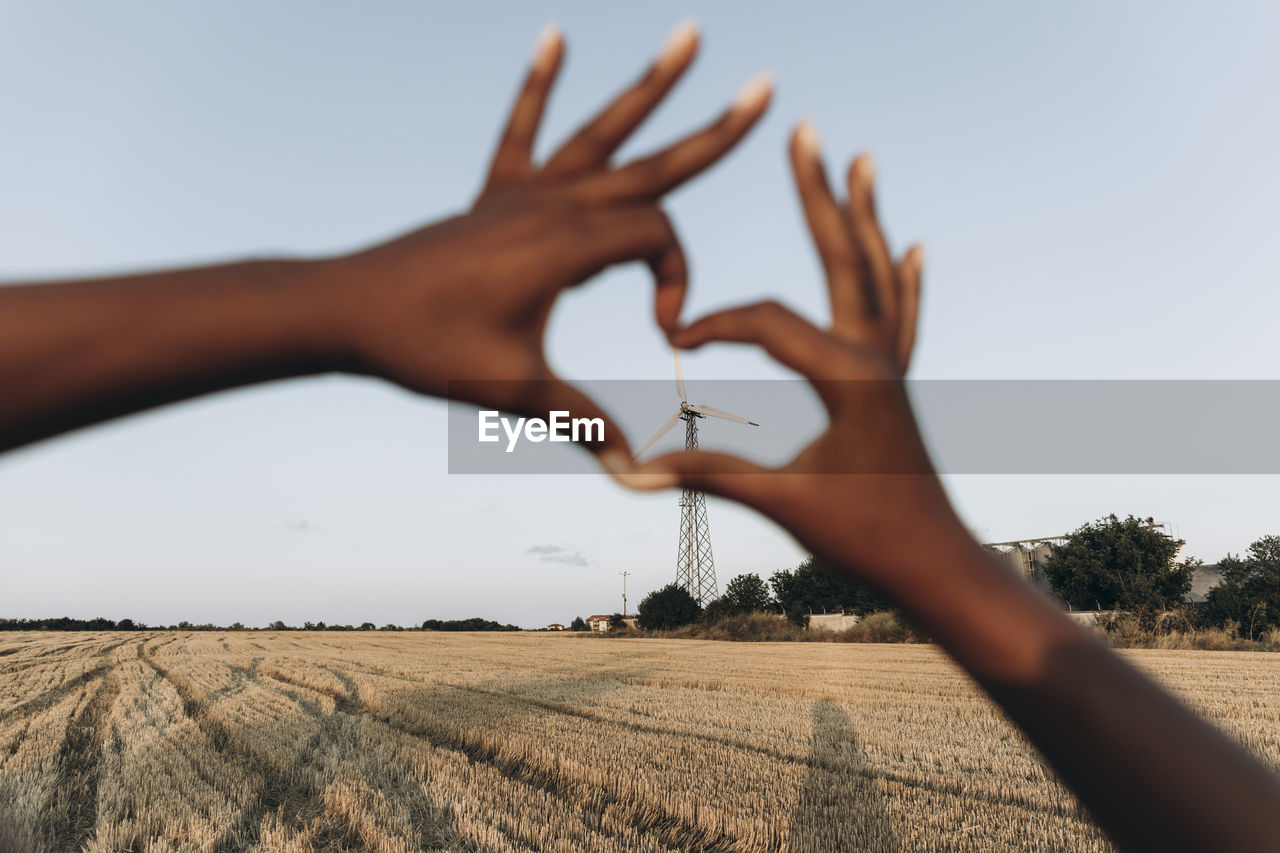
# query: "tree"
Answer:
x=716 y=609
x=667 y=608
x=1249 y=592
x=278 y=625
x=1119 y=565
x=368 y=626
x=747 y=594
x=616 y=621
x=578 y=624
x=475 y=623
x=813 y=587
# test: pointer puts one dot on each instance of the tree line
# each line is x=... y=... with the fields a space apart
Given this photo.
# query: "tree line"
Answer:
x=66 y=623
x=810 y=587
x=1112 y=564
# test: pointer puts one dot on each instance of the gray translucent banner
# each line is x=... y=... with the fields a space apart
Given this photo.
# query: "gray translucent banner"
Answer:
x=969 y=426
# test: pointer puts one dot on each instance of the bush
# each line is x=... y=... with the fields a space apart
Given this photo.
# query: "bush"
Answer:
x=882 y=627
x=1125 y=630
x=747 y=627
x=1134 y=631
x=667 y=608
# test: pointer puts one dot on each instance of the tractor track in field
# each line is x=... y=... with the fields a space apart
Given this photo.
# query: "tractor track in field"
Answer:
x=72 y=808
x=291 y=792
x=53 y=695
x=957 y=789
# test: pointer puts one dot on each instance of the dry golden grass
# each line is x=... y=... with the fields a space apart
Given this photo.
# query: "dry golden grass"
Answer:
x=403 y=742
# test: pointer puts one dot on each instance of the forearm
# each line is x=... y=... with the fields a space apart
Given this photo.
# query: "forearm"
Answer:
x=75 y=353
x=1152 y=772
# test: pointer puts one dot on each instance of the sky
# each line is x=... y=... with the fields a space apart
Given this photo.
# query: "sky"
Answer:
x=1095 y=185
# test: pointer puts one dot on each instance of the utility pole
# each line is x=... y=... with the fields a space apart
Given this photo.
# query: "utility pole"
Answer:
x=624 y=592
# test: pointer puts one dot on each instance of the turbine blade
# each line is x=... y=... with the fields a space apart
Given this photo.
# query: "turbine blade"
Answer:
x=662 y=430
x=679 y=377
x=717 y=413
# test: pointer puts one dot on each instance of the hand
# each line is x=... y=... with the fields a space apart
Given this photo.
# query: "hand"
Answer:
x=853 y=493
x=892 y=526
x=469 y=298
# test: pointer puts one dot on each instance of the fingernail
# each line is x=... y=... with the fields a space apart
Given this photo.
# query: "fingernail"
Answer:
x=682 y=40
x=807 y=138
x=624 y=472
x=865 y=167
x=544 y=52
x=754 y=93
x=919 y=253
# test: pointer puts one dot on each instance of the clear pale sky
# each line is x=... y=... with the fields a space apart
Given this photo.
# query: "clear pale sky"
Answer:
x=1096 y=186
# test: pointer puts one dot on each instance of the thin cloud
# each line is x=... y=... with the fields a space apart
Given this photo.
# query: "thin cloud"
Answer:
x=558 y=554
x=546 y=549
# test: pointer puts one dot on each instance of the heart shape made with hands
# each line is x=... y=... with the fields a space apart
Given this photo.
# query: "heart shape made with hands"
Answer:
x=480 y=287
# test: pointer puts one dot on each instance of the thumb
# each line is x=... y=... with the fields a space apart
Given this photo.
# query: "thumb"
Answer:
x=715 y=473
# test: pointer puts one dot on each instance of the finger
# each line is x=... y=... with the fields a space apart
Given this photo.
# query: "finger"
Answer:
x=910 y=273
x=513 y=159
x=601 y=434
x=870 y=240
x=598 y=139
x=670 y=270
x=638 y=232
x=650 y=177
x=717 y=473
x=785 y=335
x=841 y=261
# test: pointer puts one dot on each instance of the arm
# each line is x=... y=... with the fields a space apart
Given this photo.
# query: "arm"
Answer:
x=865 y=498
x=463 y=299
x=1153 y=774
x=73 y=354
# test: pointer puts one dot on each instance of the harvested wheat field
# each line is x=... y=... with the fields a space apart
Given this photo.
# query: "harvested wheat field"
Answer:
x=408 y=741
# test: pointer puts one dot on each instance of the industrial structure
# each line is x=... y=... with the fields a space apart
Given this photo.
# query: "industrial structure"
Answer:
x=695 y=565
x=1028 y=556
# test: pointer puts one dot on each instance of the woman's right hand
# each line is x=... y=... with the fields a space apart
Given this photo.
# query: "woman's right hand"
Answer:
x=852 y=494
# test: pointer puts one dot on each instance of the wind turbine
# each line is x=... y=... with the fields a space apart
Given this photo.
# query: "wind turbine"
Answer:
x=695 y=566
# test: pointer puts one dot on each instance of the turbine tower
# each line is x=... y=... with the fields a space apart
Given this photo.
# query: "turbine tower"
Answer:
x=695 y=565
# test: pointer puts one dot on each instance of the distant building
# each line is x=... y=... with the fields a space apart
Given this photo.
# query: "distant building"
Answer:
x=1205 y=578
x=601 y=623
x=831 y=621
x=555 y=626
x=1028 y=556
